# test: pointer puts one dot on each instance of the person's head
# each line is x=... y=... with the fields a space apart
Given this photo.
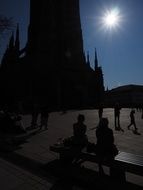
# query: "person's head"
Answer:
x=103 y=123
x=81 y=118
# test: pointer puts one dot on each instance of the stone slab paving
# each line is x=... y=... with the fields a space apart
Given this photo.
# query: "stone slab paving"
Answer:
x=60 y=126
x=15 y=178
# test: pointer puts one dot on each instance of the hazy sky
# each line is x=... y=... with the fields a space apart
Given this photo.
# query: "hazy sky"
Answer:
x=119 y=49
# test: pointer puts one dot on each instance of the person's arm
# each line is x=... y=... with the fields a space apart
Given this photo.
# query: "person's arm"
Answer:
x=92 y=128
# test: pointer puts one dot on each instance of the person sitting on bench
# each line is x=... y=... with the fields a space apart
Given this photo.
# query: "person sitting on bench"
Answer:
x=79 y=139
x=105 y=148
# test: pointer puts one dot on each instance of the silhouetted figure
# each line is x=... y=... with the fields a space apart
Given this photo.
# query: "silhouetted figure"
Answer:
x=34 y=119
x=117 y=117
x=104 y=148
x=6 y=122
x=79 y=131
x=18 y=123
x=44 y=118
x=132 y=120
x=100 y=111
x=78 y=141
x=11 y=123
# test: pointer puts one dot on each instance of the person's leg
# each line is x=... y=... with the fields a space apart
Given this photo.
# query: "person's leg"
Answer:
x=135 y=126
x=118 y=118
x=115 y=121
x=129 y=126
x=46 y=123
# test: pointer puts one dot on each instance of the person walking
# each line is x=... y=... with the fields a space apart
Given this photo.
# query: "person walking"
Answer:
x=132 y=120
x=100 y=111
x=117 y=109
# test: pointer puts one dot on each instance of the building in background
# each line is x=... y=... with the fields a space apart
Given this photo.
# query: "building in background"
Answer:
x=52 y=69
x=127 y=96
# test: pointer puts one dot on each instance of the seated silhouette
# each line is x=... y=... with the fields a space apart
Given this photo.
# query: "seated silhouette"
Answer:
x=105 y=148
x=11 y=123
x=79 y=139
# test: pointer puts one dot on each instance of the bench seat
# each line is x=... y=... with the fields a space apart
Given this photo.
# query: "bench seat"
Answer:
x=125 y=162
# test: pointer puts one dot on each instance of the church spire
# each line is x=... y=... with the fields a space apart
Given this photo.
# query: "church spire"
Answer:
x=88 y=61
x=17 y=42
x=11 y=41
x=95 y=60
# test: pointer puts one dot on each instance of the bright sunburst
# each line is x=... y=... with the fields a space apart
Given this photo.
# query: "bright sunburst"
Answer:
x=111 y=19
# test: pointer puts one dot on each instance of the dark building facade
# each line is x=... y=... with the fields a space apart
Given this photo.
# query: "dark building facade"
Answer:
x=127 y=96
x=52 y=69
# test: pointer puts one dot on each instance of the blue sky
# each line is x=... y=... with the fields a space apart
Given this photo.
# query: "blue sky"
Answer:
x=120 y=51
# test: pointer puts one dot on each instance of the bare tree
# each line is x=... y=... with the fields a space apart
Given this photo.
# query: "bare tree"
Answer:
x=5 y=24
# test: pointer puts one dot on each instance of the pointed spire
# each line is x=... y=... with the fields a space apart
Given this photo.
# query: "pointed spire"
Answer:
x=88 y=61
x=11 y=41
x=17 y=42
x=95 y=60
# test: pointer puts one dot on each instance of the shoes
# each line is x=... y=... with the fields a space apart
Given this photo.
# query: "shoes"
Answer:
x=119 y=129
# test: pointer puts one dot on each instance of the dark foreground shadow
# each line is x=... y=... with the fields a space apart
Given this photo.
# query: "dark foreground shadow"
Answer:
x=64 y=176
x=84 y=178
x=62 y=184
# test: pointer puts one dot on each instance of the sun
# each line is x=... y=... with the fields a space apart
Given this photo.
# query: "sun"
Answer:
x=111 y=19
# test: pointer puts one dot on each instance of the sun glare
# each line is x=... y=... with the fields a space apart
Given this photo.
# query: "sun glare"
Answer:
x=111 y=19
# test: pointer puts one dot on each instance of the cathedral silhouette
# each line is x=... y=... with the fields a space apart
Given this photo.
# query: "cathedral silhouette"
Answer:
x=52 y=69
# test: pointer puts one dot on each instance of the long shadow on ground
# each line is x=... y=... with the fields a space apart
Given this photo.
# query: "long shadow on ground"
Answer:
x=64 y=176
x=84 y=177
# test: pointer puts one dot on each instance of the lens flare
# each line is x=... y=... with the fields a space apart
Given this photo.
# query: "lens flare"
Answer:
x=111 y=18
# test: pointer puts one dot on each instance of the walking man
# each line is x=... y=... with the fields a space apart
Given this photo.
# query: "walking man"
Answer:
x=132 y=119
x=117 y=117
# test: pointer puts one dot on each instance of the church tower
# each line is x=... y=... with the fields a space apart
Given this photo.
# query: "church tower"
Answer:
x=55 y=28
x=99 y=82
x=52 y=69
x=55 y=50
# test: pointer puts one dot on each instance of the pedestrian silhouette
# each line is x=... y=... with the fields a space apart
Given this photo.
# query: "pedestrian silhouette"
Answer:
x=44 y=118
x=34 y=119
x=100 y=111
x=117 y=109
x=132 y=120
